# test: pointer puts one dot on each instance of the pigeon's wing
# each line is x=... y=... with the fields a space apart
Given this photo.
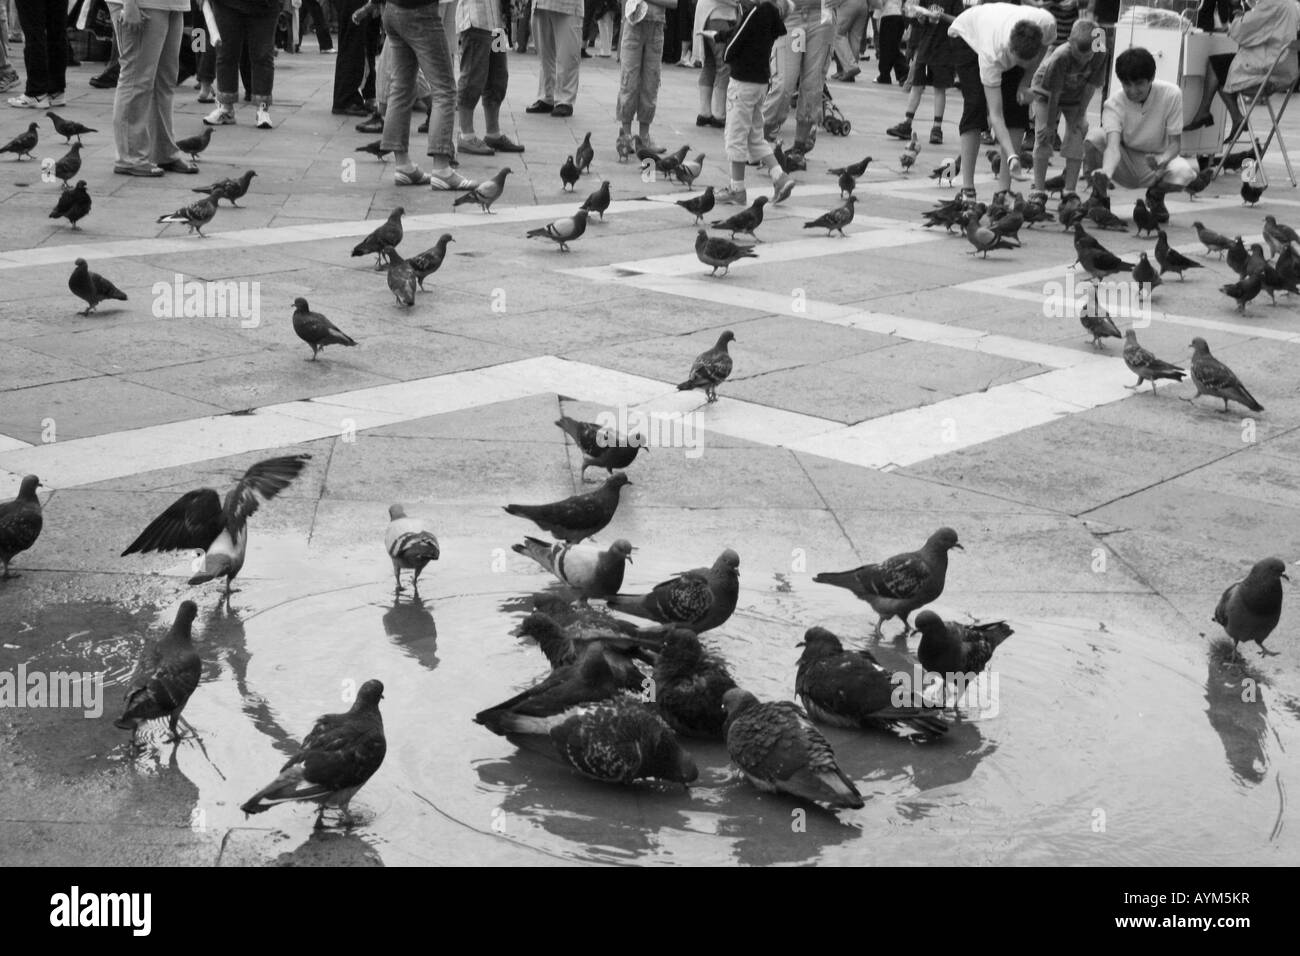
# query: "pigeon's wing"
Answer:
x=344 y=756
x=1213 y=374
x=193 y=521
x=711 y=368
x=103 y=288
x=898 y=577
x=262 y=482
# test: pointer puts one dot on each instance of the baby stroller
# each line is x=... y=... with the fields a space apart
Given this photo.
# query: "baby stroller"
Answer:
x=833 y=120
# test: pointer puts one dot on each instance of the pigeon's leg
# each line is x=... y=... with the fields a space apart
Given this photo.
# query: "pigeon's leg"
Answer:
x=876 y=634
x=1225 y=406
x=6 y=576
x=314 y=350
x=1153 y=386
x=397 y=578
x=1265 y=652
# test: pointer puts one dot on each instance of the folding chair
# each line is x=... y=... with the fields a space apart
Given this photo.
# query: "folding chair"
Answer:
x=1265 y=91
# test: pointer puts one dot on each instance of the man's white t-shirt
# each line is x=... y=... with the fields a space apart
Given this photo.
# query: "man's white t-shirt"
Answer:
x=1144 y=127
x=987 y=30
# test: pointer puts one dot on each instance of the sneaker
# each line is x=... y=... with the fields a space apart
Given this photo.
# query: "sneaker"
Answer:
x=452 y=181
x=701 y=119
x=474 y=146
x=220 y=117
x=781 y=189
x=503 y=144
x=562 y=110
x=26 y=102
x=413 y=177
x=967 y=196
x=8 y=80
x=936 y=136
x=902 y=131
x=58 y=99
x=729 y=196
x=263 y=116
x=375 y=124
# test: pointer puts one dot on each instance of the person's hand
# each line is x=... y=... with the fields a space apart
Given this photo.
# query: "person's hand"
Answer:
x=132 y=16
x=1024 y=96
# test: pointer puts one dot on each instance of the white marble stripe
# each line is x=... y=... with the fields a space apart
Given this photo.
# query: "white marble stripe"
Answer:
x=11 y=444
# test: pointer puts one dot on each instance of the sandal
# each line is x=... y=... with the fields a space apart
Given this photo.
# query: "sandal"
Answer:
x=416 y=177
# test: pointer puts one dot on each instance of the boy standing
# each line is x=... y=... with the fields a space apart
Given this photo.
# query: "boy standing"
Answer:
x=1064 y=85
x=641 y=51
x=483 y=73
x=931 y=66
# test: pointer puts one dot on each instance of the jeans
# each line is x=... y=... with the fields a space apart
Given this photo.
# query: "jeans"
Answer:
x=312 y=8
x=239 y=31
x=45 y=54
x=715 y=73
x=805 y=72
x=852 y=19
x=354 y=70
x=889 y=49
x=142 y=108
x=559 y=48
x=416 y=41
x=641 y=52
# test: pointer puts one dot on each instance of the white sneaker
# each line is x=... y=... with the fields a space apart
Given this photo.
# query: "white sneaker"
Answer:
x=729 y=196
x=220 y=117
x=26 y=102
x=263 y=117
x=57 y=99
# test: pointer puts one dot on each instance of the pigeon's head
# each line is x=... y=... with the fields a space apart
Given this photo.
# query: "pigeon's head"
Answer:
x=728 y=560
x=81 y=185
x=548 y=602
x=28 y=488
x=1131 y=336
x=682 y=650
x=670 y=762
x=851 y=200
x=1140 y=205
x=1270 y=569
x=1199 y=346
x=945 y=539
x=929 y=623
x=1270 y=220
x=622 y=548
x=394 y=511
x=369 y=696
x=1255 y=247
x=540 y=628
x=300 y=304
x=445 y=238
x=701 y=237
x=397 y=213
x=185 y=616
x=1198 y=225
x=760 y=202
x=617 y=480
x=580 y=215
x=604 y=184
x=817 y=643
x=736 y=701
x=249 y=174
x=80 y=263
x=726 y=337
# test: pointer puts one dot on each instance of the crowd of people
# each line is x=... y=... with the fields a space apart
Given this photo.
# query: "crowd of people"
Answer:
x=1019 y=67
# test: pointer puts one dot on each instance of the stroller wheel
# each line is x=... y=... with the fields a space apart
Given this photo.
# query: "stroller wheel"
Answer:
x=844 y=130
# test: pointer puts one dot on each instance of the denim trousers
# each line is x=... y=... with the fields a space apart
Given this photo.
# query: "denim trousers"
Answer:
x=559 y=52
x=805 y=72
x=641 y=53
x=416 y=41
x=45 y=53
x=149 y=62
x=239 y=31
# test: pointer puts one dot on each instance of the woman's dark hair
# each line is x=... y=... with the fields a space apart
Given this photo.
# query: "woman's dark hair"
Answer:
x=1135 y=64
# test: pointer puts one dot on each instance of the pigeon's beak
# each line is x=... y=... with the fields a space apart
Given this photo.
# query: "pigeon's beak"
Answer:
x=959 y=547
x=1285 y=575
x=801 y=644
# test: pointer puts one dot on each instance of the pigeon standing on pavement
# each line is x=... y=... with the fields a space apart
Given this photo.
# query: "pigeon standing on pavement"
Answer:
x=577 y=517
x=621 y=741
x=910 y=151
x=689 y=683
x=689 y=170
x=375 y=149
x=720 y=253
x=197 y=214
x=429 y=261
x=569 y=174
x=1279 y=236
x=23 y=144
x=710 y=368
x=166 y=674
x=1250 y=193
x=20 y=523
x=1171 y=260
x=745 y=221
x=1146 y=366
x=601 y=447
x=1144 y=219
x=949 y=648
x=1099 y=261
x=1237 y=256
x=779 y=750
x=316 y=330
x=389 y=234
x=1250 y=609
x=1144 y=274
x=199 y=519
x=700 y=599
x=410 y=543
x=92 y=287
x=337 y=757
x=598 y=200
x=699 y=206
x=584 y=154
x=402 y=279
x=68 y=165
x=854 y=169
x=73 y=204
x=847 y=184
x=1213 y=241
x=1244 y=290
x=835 y=220
x=562 y=231
x=900 y=584
x=195 y=144
x=585 y=568
x=984 y=239
x=1097 y=323
x=230 y=189
x=1212 y=377
x=68 y=128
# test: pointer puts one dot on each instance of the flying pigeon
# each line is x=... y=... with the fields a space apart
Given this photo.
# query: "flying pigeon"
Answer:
x=1171 y=260
x=429 y=261
x=689 y=683
x=850 y=689
x=569 y=174
x=950 y=648
x=949 y=168
x=855 y=169
x=1212 y=377
x=700 y=599
x=1243 y=290
x=577 y=517
x=711 y=367
x=835 y=220
x=231 y=189
x=601 y=447
x=699 y=206
x=1144 y=274
x=1279 y=236
x=584 y=155
x=73 y=204
x=337 y=757
x=1144 y=218
x=1099 y=326
x=1250 y=609
x=411 y=544
x=69 y=164
x=22 y=144
x=165 y=676
x=687 y=171
x=1213 y=241
x=92 y=287
x=1146 y=366
x=598 y=201
x=20 y=523
x=585 y=568
x=485 y=193
x=402 y=279
x=375 y=149
x=197 y=214
x=547 y=703
x=720 y=253
x=1202 y=180
x=389 y=234
x=621 y=741
x=195 y=144
x=199 y=519
x=779 y=750
x=68 y=128
x=745 y=221
x=316 y=330
x=562 y=231
x=900 y=584
x=1250 y=193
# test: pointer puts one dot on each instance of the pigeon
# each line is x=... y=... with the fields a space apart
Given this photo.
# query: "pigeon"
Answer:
x=1237 y=256
x=1070 y=210
x=562 y=231
x=1274 y=281
x=429 y=261
x=197 y=214
x=410 y=543
x=847 y=184
x=584 y=623
x=710 y=368
x=69 y=164
x=700 y=599
x=402 y=279
x=835 y=220
x=1054 y=184
x=854 y=169
x=601 y=447
x=1008 y=225
x=577 y=517
x=68 y=128
x=199 y=519
x=338 y=756
x=1171 y=260
x=1105 y=219
x=1144 y=218
x=720 y=253
x=952 y=649
x=1250 y=193
x=623 y=146
x=566 y=645
x=779 y=750
x=1243 y=290
x=231 y=189
x=598 y=200
x=1198 y=184
x=689 y=170
x=195 y=144
x=995 y=161
x=1035 y=211
x=984 y=239
x=569 y=174
x=20 y=523
x=316 y=330
x=389 y=234
x=1144 y=274
x=166 y=675
x=788 y=164
x=23 y=144
x=699 y=206
x=92 y=287
x=1250 y=609
x=1255 y=261
x=948 y=213
x=73 y=204
x=584 y=155
x=621 y=741
x=850 y=688
x=1146 y=366
x=1095 y=258
x=689 y=683
x=1279 y=236
x=947 y=170
x=1155 y=202
x=745 y=221
x=375 y=149
x=910 y=151
x=666 y=165
x=547 y=703
x=585 y=568
x=1212 y=377
x=900 y=584
x=1213 y=241
x=1099 y=326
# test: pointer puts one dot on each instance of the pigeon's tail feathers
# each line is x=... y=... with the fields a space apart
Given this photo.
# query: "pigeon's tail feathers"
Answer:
x=914 y=718
x=291 y=786
x=825 y=786
x=414 y=546
x=840 y=579
x=538 y=550
x=995 y=632
x=630 y=604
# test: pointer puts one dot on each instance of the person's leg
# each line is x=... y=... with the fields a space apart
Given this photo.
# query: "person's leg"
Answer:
x=974 y=111
x=261 y=55
x=475 y=46
x=1215 y=73
x=631 y=49
x=230 y=24
x=494 y=91
x=448 y=10
x=744 y=118
x=31 y=17
x=319 y=23
x=651 y=69
x=401 y=91
x=1076 y=129
x=704 y=85
x=1044 y=125
x=812 y=79
x=889 y=51
x=171 y=33
x=139 y=52
x=370 y=49
x=781 y=87
x=547 y=22
x=246 y=63
x=605 y=35
x=56 y=46
x=1094 y=148
x=431 y=52
x=568 y=58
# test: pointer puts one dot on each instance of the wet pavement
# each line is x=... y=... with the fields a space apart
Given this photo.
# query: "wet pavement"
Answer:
x=885 y=385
